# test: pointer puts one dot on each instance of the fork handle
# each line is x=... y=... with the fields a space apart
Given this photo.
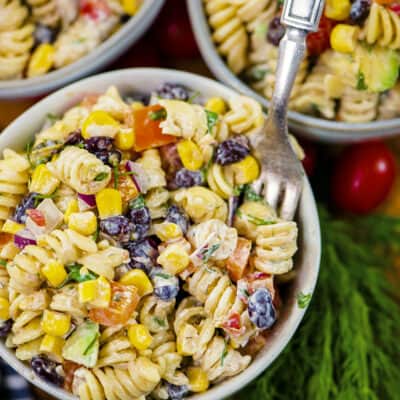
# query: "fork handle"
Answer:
x=300 y=17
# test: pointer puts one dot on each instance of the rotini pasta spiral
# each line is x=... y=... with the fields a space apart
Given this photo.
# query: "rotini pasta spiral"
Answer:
x=66 y=300
x=81 y=170
x=229 y=32
x=45 y=11
x=13 y=182
x=157 y=202
x=201 y=204
x=155 y=313
x=16 y=39
x=151 y=164
x=220 y=181
x=112 y=103
x=382 y=27
x=63 y=197
x=389 y=106
x=275 y=247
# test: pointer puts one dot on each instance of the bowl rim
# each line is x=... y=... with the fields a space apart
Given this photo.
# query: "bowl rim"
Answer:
x=307 y=208
x=314 y=128
x=130 y=32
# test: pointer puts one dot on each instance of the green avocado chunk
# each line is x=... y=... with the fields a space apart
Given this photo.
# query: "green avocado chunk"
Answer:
x=380 y=68
x=82 y=346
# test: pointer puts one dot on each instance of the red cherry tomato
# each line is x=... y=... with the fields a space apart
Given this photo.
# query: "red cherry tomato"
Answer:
x=363 y=177
x=96 y=10
x=318 y=42
x=310 y=159
x=173 y=31
x=232 y=324
x=395 y=8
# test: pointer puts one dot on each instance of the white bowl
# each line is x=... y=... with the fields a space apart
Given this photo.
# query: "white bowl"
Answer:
x=307 y=259
x=305 y=125
x=102 y=55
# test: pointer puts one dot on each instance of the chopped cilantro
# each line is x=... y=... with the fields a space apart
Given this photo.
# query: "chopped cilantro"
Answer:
x=101 y=176
x=245 y=292
x=303 y=300
x=38 y=197
x=116 y=176
x=162 y=275
x=237 y=190
x=138 y=202
x=159 y=321
x=52 y=118
x=194 y=96
x=361 y=85
x=3 y=263
x=76 y=276
x=224 y=354
x=157 y=115
x=212 y=119
x=209 y=251
x=251 y=195
x=255 y=220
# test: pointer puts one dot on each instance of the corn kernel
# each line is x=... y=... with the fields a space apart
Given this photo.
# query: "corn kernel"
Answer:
x=138 y=278
x=137 y=105
x=198 y=379
x=245 y=171
x=72 y=207
x=216 y=104
x=41 y=60
x=54 y=272
x=55 y=323
x=130 y=6
x=190 y=155
x=125 y=139
x=52 y=345
x=84 y=223
x=99 y=123
x=43 y=181
x=338 y=10
x=167 y=231
x=109 y=203
x=174 y=259
x=103 y=293
x=12 y=227
x=139 y=336
x=344 y=37
x=87 y=291
x=4 y=309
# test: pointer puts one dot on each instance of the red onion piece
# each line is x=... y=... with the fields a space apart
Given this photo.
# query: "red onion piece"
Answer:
x=139 y=176
x=24 y=238
x=86 y=201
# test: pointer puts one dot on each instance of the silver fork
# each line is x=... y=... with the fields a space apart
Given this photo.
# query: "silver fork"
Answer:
x=281 y=178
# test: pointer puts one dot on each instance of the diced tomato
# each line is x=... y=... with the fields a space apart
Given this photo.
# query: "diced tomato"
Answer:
x=125 y=184
x=36 y=216
x=5 y=238
x=238 y=261
x=96 y=10
x=395 y=8
x=318 y=42
x=147 y=130
x=69 y=368
x=232 y=325
x=124 y=299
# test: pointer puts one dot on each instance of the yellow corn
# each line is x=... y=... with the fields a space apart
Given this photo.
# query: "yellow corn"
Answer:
x=198 y=380
x=4 y=309
x=43 y=181
x=167 y=231
x=125 y=139
x=53 y=346
x=137 y=105
x=87 y=291
x=109 y=203
x=54 y=272
x=99 y=123
x=216 y=104
x=55 y=323
x=72 y=207
x=245 y=171
x=139 y=336
x=138 y=278
x=338 y=10
x=12 y=227
x=344 y=37
x=103 y=293
x=190 y=155
x=130 y=6
x=84 y=223
x=174 y=259
x=41 y=61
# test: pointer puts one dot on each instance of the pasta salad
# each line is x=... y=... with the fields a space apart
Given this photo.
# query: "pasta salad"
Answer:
x=136 y=259
x=38 y=36
x=350 y=72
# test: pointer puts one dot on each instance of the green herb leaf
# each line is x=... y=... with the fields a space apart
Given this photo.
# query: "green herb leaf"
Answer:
x=52 y=118
x=194 y=96
x=224 y=354
x=361 y=85
x=157 y=115
x=209 y=251
x=39 y=197
x=101 y=176
x=162 y=275
x=238 y=190
x=212 y=119
x=303 y=300
x=28 y=151
x=159 y=321
x=137 y=203
x=251 y=195
x=3 y=263
x=76 y=276
x=116 y=176
x=255 y=220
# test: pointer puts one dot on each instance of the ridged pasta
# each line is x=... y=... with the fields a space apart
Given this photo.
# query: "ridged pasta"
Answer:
x=66 y=300
x=275 y=247
x=81 y=170
x=201 y=204
x=63 y=197
x=229 y=32
x=16 y=39
x=157 y=202
x=112 y=103
x=151 y=164
x=389 y=106
x=220 y=181
x=139 y=379
x=45 y=12
x=155 y=313
x=382 y=27
x=14 y=178
x=245 y=115
x=358 y=106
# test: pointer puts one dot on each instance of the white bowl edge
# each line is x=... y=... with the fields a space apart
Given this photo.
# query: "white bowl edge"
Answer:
x=21 y=131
